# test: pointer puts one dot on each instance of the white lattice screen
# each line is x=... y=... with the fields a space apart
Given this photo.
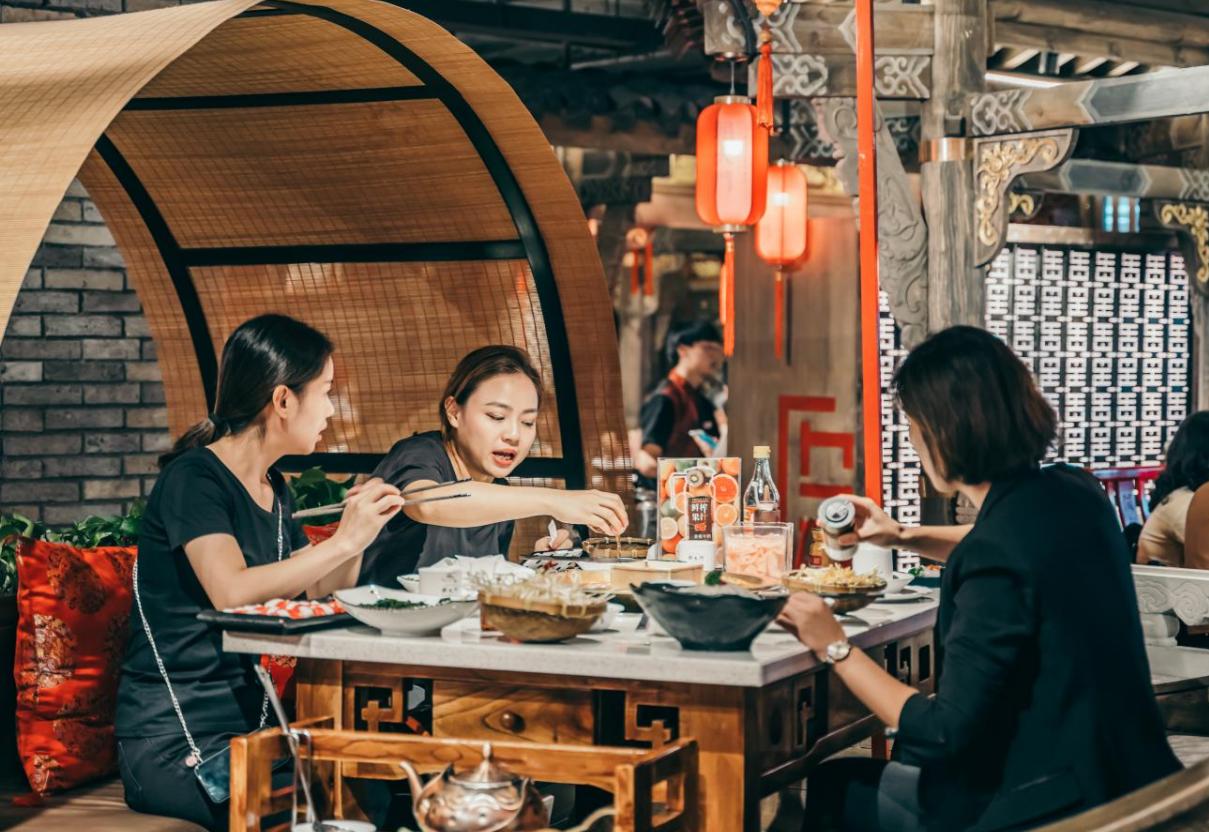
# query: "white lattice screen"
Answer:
x=1107 y=333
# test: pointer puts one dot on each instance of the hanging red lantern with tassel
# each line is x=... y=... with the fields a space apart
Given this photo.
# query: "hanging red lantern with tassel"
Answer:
x=732 y=173
x=781 y=235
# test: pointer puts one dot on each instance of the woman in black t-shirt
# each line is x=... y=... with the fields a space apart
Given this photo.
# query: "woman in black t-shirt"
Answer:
x=488 y=416
x=218 y=533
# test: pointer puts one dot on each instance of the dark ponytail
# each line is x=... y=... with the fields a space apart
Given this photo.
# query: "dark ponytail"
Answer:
x=260 y=356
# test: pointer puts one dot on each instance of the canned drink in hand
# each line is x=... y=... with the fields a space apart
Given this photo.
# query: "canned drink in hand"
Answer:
x=837 y=517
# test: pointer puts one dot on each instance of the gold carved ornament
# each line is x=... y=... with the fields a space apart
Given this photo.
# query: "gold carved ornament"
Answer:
x=1195 y=219
x=998 y=164
x=1025 y=204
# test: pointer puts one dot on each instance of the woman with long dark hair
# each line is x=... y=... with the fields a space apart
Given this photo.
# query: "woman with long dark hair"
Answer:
x=1043 y=705
x=218 y=533
x=1186 y=468
x=488 y=417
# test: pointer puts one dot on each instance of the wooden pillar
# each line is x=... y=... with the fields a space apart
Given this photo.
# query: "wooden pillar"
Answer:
x=955 y=285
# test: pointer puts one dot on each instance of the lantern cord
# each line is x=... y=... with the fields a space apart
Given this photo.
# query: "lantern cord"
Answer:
x=765 y=114
x=778 y=311
x=732 y=77
x=726 y=287
x=648 y=266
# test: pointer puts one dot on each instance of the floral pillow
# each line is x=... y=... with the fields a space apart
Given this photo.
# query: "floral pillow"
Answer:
x=73 y=610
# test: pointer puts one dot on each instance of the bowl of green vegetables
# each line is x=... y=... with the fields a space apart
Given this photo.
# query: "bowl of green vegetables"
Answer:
x=399 y=613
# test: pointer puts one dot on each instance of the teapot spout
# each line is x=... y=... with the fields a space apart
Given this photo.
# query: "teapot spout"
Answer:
x=413 y=778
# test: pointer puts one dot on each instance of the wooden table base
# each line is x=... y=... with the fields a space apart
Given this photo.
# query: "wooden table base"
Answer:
x=752 y=741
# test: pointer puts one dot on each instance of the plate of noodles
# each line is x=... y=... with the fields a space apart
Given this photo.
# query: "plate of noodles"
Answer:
x=846 y=590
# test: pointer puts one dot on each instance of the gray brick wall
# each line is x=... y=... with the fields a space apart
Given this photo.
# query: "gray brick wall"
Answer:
x=82 y=418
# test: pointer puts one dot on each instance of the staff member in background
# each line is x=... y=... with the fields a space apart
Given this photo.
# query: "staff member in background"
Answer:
x=1186 y=468
x=488 y=416
x=1043 y=705
x=217 y=533
x=677 y=407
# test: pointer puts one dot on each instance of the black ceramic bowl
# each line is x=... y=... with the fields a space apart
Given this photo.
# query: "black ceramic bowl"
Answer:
x=700 y=621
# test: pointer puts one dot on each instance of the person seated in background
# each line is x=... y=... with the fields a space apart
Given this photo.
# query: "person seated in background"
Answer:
x=1186 y=468
x=677 y=409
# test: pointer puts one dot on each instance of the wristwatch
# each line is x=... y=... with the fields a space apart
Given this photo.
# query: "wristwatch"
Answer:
x=836 y=652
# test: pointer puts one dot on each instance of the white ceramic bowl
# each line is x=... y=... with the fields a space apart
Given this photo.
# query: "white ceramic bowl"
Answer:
x=410 y=582
x=897 y=582
x=605 y=622
x=414 y=621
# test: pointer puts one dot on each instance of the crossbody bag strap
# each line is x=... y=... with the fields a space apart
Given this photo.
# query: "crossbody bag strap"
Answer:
x=195 y=755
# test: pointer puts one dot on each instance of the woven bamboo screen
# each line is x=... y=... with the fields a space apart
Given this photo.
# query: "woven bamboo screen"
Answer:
x=348 y=163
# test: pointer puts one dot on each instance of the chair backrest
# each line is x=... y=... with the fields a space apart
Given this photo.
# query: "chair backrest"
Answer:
x=1196 y=530
x=1178 y=801
x=1126 y=489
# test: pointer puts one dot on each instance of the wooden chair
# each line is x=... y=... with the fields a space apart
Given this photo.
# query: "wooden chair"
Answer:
x=654 y=790
x=1177 y=802
x=1196 y=530
x=1126 y=488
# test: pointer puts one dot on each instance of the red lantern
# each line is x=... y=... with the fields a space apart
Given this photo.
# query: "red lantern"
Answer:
x=732 y=170
x=781 y=234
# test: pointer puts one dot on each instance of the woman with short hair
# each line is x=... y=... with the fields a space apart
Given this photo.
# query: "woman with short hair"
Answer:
x=1043 y=705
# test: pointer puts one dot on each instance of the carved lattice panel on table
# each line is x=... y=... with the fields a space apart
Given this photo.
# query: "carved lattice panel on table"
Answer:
x=1107 y=334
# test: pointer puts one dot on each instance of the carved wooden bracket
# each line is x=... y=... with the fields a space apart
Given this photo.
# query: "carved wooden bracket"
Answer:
x=902 y=235
x=1191 y=221
x=997 y=162
x=1024 y=205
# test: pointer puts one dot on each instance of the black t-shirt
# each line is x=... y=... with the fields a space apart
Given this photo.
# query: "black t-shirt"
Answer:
x=195 y=495
x=405 y=545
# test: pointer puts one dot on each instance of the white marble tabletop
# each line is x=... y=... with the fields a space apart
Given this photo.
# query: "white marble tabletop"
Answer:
x=622 y=653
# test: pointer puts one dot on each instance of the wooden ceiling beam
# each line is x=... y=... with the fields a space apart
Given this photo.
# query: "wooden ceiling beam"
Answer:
x=1108 y=19
x=818 y=28
x=1092 y=176
x=1017 y=58
x=1105 y=101
x=1094 y=43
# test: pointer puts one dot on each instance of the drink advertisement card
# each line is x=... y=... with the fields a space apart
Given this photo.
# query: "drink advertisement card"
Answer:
x=697 y=497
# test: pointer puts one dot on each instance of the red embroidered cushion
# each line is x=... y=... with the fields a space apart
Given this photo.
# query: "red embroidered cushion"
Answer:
x=73 y=609
x=281 y=668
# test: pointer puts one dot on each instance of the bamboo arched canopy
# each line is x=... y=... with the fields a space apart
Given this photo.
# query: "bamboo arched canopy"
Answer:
x=346 y=162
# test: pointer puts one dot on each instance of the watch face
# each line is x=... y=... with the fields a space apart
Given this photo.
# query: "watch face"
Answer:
x=838 y=651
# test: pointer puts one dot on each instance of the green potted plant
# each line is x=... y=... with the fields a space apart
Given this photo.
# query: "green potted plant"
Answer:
x=312 y=489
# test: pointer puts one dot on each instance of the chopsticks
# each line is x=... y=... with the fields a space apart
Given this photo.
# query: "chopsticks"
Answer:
x=336 y=508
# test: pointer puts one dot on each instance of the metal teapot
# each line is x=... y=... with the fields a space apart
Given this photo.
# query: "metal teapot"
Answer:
x=488 y=799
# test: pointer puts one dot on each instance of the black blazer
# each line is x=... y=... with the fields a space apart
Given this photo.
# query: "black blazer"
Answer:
x=1043 y=704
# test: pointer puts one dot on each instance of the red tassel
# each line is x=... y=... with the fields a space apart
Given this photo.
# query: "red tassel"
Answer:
x=648 y=274
x=778 y=324
x=764 y=103
x=633 y=272
x=728 y=298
